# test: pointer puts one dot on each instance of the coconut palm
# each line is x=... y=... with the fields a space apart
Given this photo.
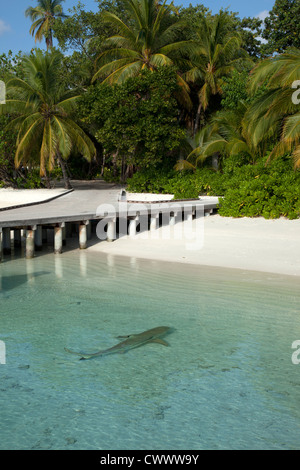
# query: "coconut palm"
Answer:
x=193 y=147
x=47 y=132
x=43 y=17
x=225 y=134
x=147 y=41
x=275 y=114
x=216 y=55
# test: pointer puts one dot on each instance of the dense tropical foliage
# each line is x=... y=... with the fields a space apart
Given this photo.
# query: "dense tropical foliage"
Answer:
x=282 y=27
x=163 y=98
x=136 y=122
x=216 y=54
x=43 y=109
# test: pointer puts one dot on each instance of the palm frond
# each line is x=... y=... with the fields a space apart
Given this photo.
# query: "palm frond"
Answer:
x=148 y=40
x=113 y=19
x=184 y=165
x=160 y=59
x=64 y=142
x=44 y=109
x=26 y=141
x=79 y=139
x=296 y=156
x=113 y=70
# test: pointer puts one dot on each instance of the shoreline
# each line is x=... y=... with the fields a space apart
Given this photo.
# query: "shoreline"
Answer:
x=267 y=246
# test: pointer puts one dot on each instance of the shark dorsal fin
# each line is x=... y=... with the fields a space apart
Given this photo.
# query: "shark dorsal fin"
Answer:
x=125 y=336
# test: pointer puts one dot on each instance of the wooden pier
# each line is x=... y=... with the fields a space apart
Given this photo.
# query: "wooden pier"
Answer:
x=80 y=211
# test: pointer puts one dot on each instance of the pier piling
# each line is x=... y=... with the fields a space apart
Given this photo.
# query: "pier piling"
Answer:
x=58 y=239
x=111 y=230
x=83 y=234
x=154 y=222
x=30 y=245
x=133 y=221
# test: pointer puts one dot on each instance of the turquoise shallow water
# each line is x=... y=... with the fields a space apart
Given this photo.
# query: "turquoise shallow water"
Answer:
x=226 y=381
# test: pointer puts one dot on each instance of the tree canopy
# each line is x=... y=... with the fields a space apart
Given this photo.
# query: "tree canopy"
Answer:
x=282 y=27
x=43 y=108
x=43 y=18
x=136 y=123
x=148 y=87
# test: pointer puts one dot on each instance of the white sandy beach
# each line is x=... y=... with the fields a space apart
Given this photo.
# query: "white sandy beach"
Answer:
x=17 y=197
x=251 y=244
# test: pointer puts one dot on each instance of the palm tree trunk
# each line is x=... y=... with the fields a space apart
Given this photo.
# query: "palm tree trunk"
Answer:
x=123 y=170
x=64 y=171
x=48 y=180
x=114 y=162
x=128 y=172
x=50 y=39
x=103 y=164
x=197 y=119
x=215 y=161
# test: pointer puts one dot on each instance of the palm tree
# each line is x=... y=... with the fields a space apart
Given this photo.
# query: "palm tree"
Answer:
x=225 y=134
x=193 y=147
x=274 y=114
x=147 y=41
x=44 y=109
x=216 y=55
x=43 y=18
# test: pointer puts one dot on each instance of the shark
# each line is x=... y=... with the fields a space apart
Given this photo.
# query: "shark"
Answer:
x=129 y=342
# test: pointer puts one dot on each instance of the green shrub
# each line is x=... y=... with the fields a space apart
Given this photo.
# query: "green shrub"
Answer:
x=149 y=181
x=184 y=185
x=269 y=190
